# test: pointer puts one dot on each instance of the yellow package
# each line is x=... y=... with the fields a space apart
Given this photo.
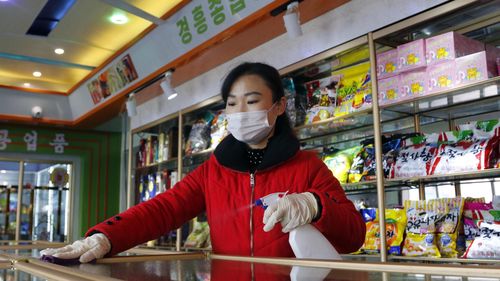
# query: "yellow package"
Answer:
x=420 y=229
x=449 y=214
x=340 y=162
x=394 y=227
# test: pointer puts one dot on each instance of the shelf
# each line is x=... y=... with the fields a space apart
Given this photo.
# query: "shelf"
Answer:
x=171 y=161
x=365 y=186
x=419 y=259
x=456 y=100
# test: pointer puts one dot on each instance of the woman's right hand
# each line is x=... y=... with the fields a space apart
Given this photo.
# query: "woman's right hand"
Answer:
x=88 y=249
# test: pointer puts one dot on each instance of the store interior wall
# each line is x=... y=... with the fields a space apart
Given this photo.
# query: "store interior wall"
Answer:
x=325 y=32
x=100 y=156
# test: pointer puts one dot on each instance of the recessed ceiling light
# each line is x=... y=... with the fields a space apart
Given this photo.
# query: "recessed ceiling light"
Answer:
x=37 y=74
x=27 y=85
x=118 y=19
x=59 y=51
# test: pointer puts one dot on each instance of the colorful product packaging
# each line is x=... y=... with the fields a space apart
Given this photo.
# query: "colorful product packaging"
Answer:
x=354 y=91
x=420 y=238
x=413 y=84
x=449 y=214
x=218 y=129
x=387 y=64
x=441 y=76
x=389 y=90
x=486 y=245
x=414 y=160
x=493 y=56
x=448 y=46
x=474 y=68
x=411 y=56
x=340 y=162
x=394 y=227
x=322 y=99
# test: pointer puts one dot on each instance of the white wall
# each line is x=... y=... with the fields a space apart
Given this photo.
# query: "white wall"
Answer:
x=20 y=103
x=349 y=21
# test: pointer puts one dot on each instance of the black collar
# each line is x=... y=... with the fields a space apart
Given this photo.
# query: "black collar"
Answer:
x=232 y=153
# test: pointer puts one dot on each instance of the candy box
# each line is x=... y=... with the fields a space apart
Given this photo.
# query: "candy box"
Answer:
x=474 y=68
x=413 y=84
x=389 y=90
x=387 y=63
x=441 y=76
x=493 y=57
x=449 y=46
x=411 y=55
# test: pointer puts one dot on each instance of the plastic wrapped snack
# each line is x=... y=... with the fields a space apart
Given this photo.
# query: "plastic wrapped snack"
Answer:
x=465 y=156
x=198 y=237
x=340 y=162
x=322 y=99
x=487 y=244
x=356 y=170
x=414 y=160
x=199 y=136
x=394 y=226
x=420 y=229
x=448 y=214
x=218 y=129
x=483 y=129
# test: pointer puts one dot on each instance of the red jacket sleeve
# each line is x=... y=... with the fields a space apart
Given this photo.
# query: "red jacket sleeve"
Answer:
x=339 y=221
x=155 y=217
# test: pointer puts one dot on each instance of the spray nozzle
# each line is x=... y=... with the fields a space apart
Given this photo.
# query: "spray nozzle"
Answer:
x=269 y=199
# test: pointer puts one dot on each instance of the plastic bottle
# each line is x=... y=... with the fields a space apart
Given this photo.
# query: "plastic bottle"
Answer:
x=307 y=241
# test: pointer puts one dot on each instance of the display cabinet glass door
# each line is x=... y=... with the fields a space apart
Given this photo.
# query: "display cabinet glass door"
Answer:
x=9 y=179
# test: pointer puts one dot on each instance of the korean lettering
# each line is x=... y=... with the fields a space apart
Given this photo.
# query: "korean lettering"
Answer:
x=200 y=22
x=30 y=138
x=237 y=6
x=4 y=139
x=58 y=143
x=184 y=32
x=216 y=11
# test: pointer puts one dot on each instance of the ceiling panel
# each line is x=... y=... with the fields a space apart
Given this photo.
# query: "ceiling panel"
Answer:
x=54 y=78
x=88 y=22
x=16 y=16
x=154 y=7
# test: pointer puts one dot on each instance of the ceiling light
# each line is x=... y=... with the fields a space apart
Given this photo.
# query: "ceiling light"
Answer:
x=3 y=171
x=118 y=19
x=27 y=85
x=37 y=74
x=292 y=20
x=59 y=51
x=131 y=105
x=166 y=85
x=5 y=183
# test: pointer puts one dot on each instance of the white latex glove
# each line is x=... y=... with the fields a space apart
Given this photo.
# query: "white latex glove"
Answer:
x=292 y=210
x=88 y=249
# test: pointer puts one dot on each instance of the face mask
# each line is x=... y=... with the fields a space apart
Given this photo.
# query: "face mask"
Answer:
x=249 y=127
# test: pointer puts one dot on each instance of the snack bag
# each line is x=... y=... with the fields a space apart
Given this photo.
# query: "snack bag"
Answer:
x=199 y=136
x=449 y=214
x=322 y=99
x=353 y=89
x=357 y=166
x=420 y=229
x=198 y=237
x=340 y=162
x=487 y=244
x=414 y=160
x=218 y=129
x=394 y=226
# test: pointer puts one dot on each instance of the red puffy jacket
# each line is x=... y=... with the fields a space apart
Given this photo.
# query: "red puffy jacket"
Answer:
x=222 y=187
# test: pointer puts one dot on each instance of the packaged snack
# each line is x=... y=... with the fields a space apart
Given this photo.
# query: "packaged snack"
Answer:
x=465 y=156
x=420 y=229
x=198 y=237
x=474 y=68
x=356 y=170
x=482 y=129
x=389 y=90
x=353 y=89
x=414 y=160
x=340 y=162
x=394 y=226
x=441 y=76
x=218 y=129
x=449 y=214
x=411 y=55
x=387 y=63
x=321 y=99
x=199 y=136
x=487 y=244
x=295 y=112
x=448 y=46
x=413 y=84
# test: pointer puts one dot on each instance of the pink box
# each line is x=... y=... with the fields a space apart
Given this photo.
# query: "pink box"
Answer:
x=389 y=90
x=441 y=76
x=449 y=46
x=474 y=68
x=411 y=55
x=387 y=63
x=413 y=84
x=493 y=56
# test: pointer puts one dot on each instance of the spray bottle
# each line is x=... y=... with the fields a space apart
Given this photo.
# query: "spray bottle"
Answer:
x=307 y=241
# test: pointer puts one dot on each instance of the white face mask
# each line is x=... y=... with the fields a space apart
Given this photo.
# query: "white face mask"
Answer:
x=250 y=127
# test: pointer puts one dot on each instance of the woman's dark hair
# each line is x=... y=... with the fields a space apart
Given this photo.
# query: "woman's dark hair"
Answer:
x=271 y=77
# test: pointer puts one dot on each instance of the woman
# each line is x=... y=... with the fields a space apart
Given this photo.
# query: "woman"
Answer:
x=259 y=157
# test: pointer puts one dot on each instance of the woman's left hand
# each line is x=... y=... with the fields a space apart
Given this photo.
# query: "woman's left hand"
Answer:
x=292 y=211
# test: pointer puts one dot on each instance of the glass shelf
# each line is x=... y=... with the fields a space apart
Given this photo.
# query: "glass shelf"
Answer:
x=172 y=162
x=457 y=101
x=376 y=257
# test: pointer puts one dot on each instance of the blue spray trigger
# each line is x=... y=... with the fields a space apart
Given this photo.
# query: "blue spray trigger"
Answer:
x=269 y=199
